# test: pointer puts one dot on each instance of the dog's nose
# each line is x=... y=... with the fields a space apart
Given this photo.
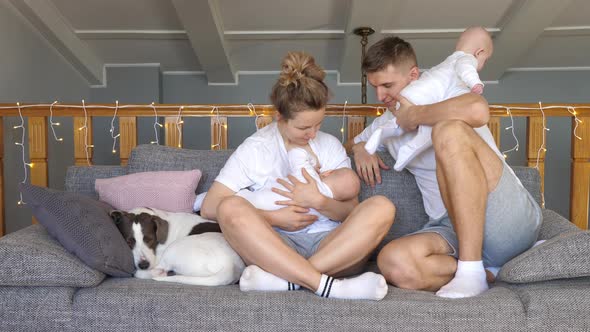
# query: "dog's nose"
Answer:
x=143 y=265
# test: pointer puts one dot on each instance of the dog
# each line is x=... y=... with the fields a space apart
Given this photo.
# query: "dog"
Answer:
x=178 y=247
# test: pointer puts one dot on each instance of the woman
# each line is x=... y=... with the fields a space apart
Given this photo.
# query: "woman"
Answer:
x=280 y=258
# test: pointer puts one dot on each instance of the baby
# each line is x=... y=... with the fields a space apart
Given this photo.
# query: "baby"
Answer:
x=458 y=74
x=335 y=184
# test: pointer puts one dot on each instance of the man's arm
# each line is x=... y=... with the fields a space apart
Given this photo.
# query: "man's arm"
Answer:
x=470 y=108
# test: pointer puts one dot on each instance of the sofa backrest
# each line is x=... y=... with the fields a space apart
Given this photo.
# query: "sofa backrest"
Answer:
x=399 y=187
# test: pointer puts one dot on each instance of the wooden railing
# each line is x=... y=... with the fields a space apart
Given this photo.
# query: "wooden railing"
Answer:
x=37 y=129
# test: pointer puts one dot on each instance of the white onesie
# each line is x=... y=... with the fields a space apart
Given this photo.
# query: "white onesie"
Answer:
x=453 y=77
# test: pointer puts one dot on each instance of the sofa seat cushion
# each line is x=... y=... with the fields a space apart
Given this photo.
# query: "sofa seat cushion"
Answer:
x=36 y=308
x=31 y=257
x=147 y=305
x=557 y=305
x=83 y=226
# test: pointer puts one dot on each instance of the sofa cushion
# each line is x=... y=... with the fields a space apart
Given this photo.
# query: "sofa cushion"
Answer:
x=31 y=257
x=564 y=256
x=151 y=158
x=165 y=190
x=226 y=308
x=83 y=226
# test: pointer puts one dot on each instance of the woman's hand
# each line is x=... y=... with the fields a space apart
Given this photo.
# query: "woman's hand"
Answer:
x=300 y=193
x=290 y=218
x=368 y=166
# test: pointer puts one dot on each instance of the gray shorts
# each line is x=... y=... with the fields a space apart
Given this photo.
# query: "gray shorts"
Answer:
x=306 y=244
x=513 y=220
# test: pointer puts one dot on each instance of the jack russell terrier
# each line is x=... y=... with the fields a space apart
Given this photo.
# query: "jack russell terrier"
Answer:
x=178 y=247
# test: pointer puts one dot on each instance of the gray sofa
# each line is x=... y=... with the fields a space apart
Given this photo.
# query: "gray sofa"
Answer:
x=546 y=288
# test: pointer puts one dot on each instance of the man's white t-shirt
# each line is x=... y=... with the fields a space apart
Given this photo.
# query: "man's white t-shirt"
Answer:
x=423 y=166
x=262 y=158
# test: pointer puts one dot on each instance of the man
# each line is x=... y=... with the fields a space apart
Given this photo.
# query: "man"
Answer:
x=479 y=211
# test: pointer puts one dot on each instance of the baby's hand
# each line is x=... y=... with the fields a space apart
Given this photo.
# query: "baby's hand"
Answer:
x=478 y=88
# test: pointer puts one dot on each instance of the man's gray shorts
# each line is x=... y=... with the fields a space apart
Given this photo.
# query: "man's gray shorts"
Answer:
x=513 y=220
x=306 y=244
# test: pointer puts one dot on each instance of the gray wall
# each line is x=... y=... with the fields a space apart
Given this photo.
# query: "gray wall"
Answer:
x=33 y=72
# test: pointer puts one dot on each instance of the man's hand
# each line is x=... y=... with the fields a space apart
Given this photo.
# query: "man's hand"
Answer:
x=478 y=88
x=290 y=218
x=405 y=114
x=368 y=166
x=300 y=193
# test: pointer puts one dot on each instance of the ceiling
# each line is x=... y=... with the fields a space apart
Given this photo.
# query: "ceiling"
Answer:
x=222 y=38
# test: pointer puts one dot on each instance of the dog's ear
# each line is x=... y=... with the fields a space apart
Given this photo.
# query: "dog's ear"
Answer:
x=117 y=216
x=161 y=229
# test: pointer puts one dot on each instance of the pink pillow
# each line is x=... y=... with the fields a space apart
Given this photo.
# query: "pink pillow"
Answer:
x=165 y=190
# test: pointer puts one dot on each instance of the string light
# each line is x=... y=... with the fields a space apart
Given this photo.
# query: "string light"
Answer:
x=343 y=119
x=51 y=123
x=542 y=147
x=113 y=127
x=179 y=122
x=515 y=148
x=573 y=112
x=252 y=110
x=85 y=127
x=156 y=123
x=22 y=145
x=218 y=121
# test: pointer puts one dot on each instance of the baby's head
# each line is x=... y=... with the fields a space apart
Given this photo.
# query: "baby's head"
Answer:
x=478 y=42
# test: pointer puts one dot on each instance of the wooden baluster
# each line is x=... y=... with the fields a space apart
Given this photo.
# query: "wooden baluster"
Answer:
x=580 y=177
x=38 y=151
x=2 y=222
x=173 y=136
x=128 y=138
x=82 y=137
x=494 y=125
x=356 y=125
x=535 y=155
x=218 y=133
x=263 y=121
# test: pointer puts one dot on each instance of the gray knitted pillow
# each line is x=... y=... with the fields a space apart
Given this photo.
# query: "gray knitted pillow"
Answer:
x=564 y=256
x=31 y=257
x=83 y=226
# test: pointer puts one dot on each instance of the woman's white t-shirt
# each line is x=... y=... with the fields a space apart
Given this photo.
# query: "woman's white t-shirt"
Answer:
x=263 y=157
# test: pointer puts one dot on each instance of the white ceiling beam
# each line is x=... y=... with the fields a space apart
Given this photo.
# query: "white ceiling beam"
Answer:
x=203 y=25
x=523 y=24
x=50 y=23
x=361 y=15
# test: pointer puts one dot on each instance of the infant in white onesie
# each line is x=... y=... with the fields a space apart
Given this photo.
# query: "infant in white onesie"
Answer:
x=456 y=74
x=333 y=184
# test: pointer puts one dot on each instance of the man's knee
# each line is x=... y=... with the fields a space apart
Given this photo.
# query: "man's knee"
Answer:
x=450 y=136
x=398 y=267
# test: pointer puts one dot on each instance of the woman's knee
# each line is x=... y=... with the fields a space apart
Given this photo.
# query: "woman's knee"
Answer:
x=383 y=207
x=230 y=211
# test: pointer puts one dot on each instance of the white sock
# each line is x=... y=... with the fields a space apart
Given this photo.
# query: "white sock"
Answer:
x=417 y=145
x=256 y=279
x=469 y=280
x=367 y=286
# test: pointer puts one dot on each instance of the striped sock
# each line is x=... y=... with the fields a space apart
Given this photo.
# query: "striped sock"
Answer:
x=367 y=286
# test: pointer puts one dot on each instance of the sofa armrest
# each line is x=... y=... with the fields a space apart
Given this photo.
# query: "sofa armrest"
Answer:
x=81 y=179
